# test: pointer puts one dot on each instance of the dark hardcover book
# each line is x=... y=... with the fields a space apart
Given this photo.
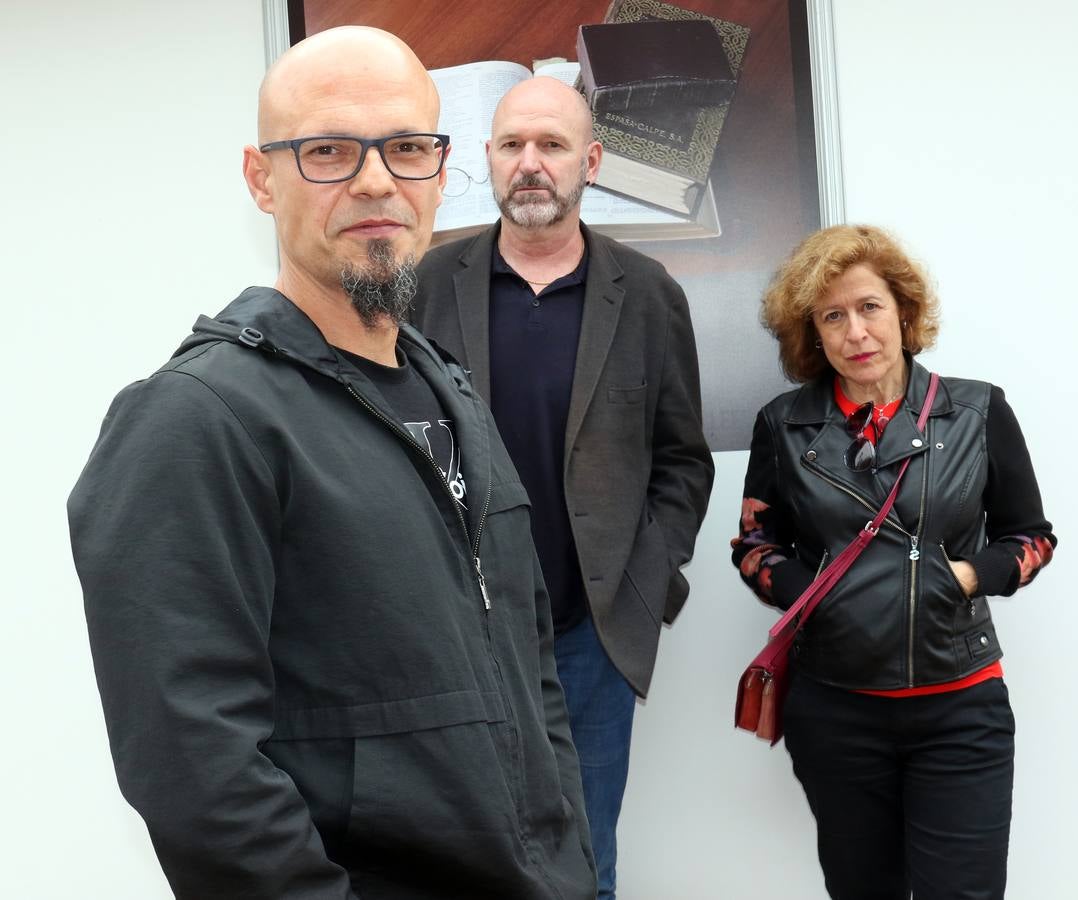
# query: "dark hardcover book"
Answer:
x=663 y=155
x=639 y=65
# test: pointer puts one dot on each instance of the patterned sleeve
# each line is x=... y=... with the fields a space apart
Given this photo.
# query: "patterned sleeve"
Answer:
x=1020 y=539
x=763 y=549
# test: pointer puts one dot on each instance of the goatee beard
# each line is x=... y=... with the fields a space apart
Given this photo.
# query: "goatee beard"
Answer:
x=383 y=288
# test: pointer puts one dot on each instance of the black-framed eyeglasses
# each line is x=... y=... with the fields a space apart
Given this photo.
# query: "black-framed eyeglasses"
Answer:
x=861 y=454
x=328 y=158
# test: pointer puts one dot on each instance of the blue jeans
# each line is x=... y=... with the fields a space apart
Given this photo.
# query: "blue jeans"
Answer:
x=601 y=706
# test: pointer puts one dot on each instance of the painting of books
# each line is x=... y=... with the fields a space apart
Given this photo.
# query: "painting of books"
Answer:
x=705 y=112
x=470 y=93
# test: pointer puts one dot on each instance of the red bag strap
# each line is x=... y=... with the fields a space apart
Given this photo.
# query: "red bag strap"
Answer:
x=828 y=578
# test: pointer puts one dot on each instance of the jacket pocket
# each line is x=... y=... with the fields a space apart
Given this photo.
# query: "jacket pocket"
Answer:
x=627 y=394
x=390 y=717
x=951 y=577
x=648 y=569
x=510 y=571
x=507 y=495
x=980 y=643
x=452 y=792
x=438 y=772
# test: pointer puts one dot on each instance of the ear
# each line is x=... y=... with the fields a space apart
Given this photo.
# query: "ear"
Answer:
x=595 y=157
x=443 y=175
x=257 y=176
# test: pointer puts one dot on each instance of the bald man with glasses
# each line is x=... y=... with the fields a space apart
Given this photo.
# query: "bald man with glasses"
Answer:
x=320 y=633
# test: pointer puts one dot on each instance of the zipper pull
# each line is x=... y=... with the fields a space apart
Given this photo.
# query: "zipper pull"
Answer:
x=915 y=554
x=482 y=584
x=972 y=607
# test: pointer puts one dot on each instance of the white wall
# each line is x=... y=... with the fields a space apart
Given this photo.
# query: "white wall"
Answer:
x=958 y=133
x=124 y=215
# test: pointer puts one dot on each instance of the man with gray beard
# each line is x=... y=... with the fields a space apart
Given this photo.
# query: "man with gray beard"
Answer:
x=585 y=351
x=320 y=631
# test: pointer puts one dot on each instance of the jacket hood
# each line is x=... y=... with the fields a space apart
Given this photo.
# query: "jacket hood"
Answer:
x=265 y=319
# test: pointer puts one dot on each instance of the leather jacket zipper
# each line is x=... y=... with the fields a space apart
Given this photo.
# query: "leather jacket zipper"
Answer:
x=411 y=444
x=915 y=555
x=873 y=509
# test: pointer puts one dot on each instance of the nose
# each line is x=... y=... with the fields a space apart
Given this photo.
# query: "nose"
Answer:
x=855 y=329
x=373 y=178
x=529 y=159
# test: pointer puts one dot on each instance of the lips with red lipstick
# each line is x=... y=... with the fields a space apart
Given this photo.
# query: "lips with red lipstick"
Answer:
x=862 y=357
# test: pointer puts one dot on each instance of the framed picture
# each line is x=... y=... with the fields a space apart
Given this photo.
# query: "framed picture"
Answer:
x=773 y=170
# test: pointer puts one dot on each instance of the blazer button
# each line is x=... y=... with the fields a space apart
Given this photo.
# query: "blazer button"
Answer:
x=811 y=455
x=917 y=442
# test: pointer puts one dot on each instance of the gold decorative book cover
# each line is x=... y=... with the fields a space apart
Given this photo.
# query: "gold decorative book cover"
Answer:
x=663 y=155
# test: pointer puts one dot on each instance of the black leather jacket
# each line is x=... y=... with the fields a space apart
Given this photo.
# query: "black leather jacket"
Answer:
x=899 y=617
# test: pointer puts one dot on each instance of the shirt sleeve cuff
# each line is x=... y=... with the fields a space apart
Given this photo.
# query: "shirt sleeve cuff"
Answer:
x=789 y=579
x=998 y=572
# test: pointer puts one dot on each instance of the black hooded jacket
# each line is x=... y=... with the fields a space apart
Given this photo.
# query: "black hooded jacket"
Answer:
x=305 y=692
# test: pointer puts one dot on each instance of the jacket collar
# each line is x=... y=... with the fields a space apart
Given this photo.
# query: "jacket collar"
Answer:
x=471 y=284
x=603 y=297
x=263 y=319
x=814 y=404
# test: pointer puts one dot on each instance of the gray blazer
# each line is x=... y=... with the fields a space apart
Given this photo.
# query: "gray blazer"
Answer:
x=638 y=470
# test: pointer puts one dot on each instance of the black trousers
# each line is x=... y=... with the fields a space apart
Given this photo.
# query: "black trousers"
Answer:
x=909 y=794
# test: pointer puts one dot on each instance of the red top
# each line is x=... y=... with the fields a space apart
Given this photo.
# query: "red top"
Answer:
x=881 y=415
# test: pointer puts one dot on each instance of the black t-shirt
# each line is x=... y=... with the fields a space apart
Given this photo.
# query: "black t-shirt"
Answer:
x=419 y=410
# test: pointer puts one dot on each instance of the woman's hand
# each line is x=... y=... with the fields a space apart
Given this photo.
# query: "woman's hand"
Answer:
x=966 y=575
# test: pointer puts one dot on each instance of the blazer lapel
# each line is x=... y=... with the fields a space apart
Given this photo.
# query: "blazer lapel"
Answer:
x=602 y=307
x=472 y=286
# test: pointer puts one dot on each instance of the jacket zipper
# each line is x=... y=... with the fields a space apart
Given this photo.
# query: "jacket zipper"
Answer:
x=887 y=521
x=823 y=562
x=409 y=442
x=251 y=338
x=915 y=555
x=407 y=439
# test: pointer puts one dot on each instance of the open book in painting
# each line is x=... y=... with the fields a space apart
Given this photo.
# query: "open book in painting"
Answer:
x=469 y=95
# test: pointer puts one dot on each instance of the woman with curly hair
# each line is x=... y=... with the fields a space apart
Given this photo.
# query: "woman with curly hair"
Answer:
x=897 y=719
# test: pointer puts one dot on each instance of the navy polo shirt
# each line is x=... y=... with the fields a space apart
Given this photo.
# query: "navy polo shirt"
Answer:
x=533 y=341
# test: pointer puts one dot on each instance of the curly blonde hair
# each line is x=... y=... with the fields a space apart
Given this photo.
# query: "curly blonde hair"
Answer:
x=808 y=273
